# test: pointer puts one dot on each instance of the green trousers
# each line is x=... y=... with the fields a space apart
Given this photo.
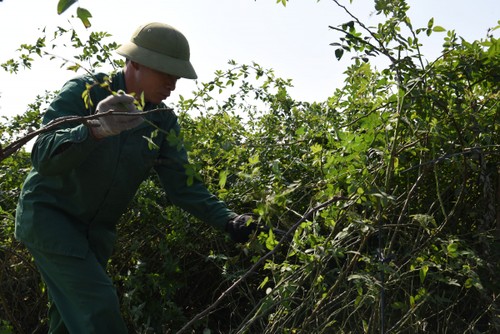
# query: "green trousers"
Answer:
x=82 y=297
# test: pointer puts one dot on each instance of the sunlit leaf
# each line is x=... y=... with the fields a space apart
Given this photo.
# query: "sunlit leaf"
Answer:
x=452 y=249
x=438 y=29
x=223 y=178
x=63 y=5
x=84 y=16
x=423 y=273
x=316 y=148
x=430 y=23
x=253 y=159
x=264 y=282
x=271 y=242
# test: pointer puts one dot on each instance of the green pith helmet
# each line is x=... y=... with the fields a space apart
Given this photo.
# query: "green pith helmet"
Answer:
x=160 y=47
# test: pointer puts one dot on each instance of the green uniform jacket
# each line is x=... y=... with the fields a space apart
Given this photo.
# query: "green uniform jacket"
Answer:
x=79 y=186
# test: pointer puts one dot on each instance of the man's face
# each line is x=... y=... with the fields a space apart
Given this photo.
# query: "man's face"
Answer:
x=156 y=85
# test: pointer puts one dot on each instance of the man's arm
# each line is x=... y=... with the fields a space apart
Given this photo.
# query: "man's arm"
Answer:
x=55 y=152
x=194 y=198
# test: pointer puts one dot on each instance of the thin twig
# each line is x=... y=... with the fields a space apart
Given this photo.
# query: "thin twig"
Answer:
x=382 y=49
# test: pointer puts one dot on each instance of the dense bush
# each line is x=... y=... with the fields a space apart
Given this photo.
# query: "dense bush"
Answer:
x=409 y=244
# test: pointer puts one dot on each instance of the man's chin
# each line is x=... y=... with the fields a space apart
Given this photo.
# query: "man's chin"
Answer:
x=164 y=97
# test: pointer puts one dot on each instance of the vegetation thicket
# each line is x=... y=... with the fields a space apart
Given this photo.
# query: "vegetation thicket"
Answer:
x=388 y=191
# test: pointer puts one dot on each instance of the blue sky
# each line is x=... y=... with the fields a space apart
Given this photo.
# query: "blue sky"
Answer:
x=294 y=41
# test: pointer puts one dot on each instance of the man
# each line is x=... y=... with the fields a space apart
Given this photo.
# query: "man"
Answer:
x=84 y=176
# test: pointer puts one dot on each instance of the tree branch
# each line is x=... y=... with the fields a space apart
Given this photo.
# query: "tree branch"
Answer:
x=17 y=144
x=382 y=49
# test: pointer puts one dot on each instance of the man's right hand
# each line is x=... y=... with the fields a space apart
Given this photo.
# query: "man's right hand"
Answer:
x=111 y=125
x=241 y=227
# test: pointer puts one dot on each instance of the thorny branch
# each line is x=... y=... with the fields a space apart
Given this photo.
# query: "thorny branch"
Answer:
x=17 y=144
x=261 y=261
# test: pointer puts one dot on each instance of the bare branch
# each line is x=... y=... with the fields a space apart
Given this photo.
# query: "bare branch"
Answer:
x=17 y=144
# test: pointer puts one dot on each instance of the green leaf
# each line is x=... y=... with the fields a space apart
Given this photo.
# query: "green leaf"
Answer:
x=264 y=282
x=339 y=53
x=84 y=16
x=423 y=273
x=412 y=301
x=223 y=178
x=300 y=131
x=316 y=148
x=438 y=29
x=63 y=5
x=271 y=242
x=398 y=305
x=430 y=23
x=452 y=249
x=151 y=144
x=73 y=68
x=254 y=159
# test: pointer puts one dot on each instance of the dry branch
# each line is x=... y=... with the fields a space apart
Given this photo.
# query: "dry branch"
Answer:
x=17 y=144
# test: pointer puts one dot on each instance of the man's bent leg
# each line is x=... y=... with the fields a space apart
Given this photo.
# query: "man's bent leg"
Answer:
x=56 y=324
x=82 y=294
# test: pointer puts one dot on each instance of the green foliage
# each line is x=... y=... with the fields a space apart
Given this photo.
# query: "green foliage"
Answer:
x=22 y=299
x=82 y=13
x=146 y=268
x=410 y=247
x=91 y=50
x=63 y=5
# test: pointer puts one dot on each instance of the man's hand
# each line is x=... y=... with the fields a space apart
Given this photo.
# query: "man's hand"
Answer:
x=111 y=125
x=241 y=227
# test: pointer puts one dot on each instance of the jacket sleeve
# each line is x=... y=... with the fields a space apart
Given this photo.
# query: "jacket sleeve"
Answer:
x=195 y=198
x=59 y=151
